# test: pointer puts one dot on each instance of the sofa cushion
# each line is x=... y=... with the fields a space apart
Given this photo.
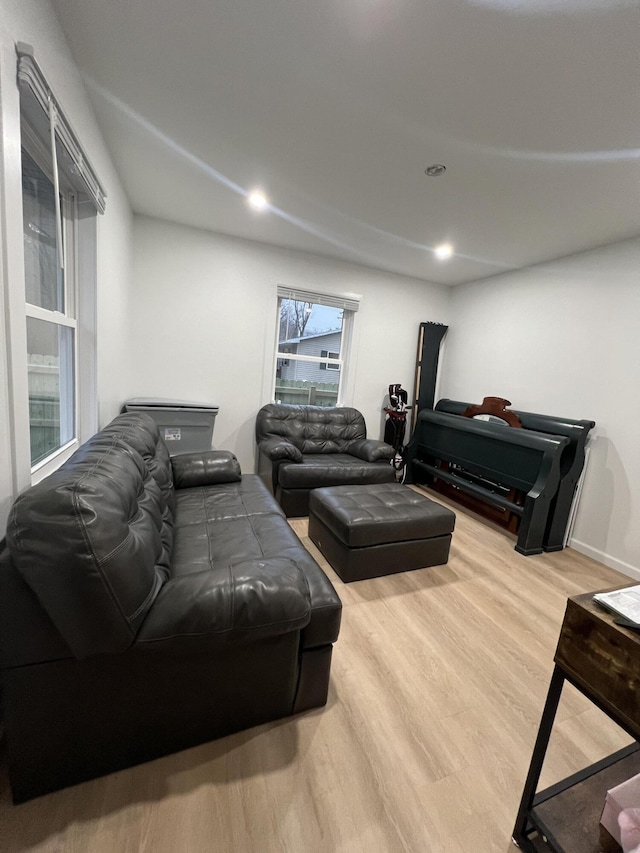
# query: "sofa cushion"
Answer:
x=142 y=433
x=91 y=542
x=312 y=429
x=239 y=602
x=239 y=522
x=247 y=497
x=207 y=468
x=339 y=469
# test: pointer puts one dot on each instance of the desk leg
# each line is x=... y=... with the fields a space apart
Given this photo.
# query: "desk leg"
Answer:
x=520 y=836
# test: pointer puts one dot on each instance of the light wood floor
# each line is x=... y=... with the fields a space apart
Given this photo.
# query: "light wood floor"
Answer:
x=438 y=681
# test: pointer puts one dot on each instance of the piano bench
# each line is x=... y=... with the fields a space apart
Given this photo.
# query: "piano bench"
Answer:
x=379 y=529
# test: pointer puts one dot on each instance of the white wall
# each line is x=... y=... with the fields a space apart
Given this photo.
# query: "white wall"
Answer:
x=34 y=22
x=562 y=339
x=115 y=265
x=204 y=324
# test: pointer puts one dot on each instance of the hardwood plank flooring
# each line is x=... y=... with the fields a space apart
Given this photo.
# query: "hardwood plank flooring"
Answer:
x=438 y=681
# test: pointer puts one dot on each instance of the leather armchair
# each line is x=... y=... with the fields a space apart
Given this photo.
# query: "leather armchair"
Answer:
x=301 y=448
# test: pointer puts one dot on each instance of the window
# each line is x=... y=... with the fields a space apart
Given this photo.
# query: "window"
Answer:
x=329 y=365
x=50 y=291
x=60 y=199
x=314 y=332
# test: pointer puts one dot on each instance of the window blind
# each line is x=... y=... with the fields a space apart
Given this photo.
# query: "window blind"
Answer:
x=42 y=108
x=348 y=302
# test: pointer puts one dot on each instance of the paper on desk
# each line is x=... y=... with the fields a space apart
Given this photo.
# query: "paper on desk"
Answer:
x=625 y=602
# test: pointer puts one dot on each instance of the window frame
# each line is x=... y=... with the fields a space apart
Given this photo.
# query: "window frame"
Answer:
x=43 y=157
x=32 y=98
x=349 y=305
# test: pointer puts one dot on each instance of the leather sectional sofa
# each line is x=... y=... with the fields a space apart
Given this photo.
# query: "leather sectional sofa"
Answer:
x=148 y=604
x=301 y=448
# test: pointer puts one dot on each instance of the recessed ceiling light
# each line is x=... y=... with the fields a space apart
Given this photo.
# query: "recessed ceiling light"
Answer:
x=443 y=251
x=258 y=200
x=435 y=170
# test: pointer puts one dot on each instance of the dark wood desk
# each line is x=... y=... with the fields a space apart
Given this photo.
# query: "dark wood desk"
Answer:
x=602 y=660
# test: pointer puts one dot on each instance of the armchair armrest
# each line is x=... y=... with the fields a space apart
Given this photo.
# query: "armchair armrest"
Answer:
x=280 y=448
x=371 y=450
x=207 y=468
x=238 y=603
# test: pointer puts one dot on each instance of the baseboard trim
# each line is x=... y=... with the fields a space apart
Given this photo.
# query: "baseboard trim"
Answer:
x=605 y=559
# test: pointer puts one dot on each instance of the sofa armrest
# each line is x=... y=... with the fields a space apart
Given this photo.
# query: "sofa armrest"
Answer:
x=280 y=448
x=243 y=602
x=208 y=468
x=371 y=450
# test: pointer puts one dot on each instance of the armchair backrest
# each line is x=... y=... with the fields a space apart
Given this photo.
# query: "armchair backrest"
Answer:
x=312 y=429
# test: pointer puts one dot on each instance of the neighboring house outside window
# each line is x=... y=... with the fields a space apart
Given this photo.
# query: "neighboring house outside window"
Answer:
x=326 y=345
x=312 y=337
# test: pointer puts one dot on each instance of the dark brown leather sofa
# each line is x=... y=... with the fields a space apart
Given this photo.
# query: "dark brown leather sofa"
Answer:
x=149 y=604
x=301 y=448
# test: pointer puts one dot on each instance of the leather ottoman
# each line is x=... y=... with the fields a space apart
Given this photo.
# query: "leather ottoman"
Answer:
x=378 y=529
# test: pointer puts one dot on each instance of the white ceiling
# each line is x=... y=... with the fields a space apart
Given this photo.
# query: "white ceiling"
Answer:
x=335 y=108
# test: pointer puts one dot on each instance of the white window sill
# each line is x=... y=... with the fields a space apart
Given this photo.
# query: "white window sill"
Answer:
x=53 y=462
